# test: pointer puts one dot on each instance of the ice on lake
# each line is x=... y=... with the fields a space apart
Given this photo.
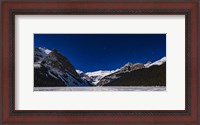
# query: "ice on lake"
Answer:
x=99 y=88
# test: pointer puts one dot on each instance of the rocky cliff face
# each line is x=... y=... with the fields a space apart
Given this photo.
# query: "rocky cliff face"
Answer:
x=152 y=76
x=53 y=69
x=129 y=67
x=57 y=61
x=40 y=53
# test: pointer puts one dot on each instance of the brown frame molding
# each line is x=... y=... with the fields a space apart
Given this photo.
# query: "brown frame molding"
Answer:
x=189 y=9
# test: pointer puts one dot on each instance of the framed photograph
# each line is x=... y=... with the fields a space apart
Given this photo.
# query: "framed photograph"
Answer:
x=100 y=62
x=104 y=64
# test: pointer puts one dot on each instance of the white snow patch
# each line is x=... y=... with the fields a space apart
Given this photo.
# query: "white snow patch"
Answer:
x=159 y=62
x=47 y=51
x=111 y=89
x=79 y=71
x=100 y=73
x=37 y=65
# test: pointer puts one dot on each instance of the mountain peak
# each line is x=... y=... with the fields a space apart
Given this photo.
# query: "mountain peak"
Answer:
x=158 y=62
x=40 y=53
x=147 y=64
x=47 y=51
x=128 y=64
x=51 y=68
x=79 y=71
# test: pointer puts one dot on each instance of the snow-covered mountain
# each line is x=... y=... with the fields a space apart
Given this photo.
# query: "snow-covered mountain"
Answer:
x=102 y=77
x=85 y=77
x=53 y=69
x=95 y=77
x=40 y=53
x=149 y=74
x=148 y=64
x=158 y=62
x=129 y=67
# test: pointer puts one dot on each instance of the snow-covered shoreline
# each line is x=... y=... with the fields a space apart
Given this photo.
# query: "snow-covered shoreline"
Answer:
x=114 y=88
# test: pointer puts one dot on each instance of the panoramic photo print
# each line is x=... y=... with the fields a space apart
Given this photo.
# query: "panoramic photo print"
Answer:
x=100 y=62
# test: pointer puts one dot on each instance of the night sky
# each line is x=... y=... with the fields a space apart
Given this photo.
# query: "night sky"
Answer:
x=91 y=52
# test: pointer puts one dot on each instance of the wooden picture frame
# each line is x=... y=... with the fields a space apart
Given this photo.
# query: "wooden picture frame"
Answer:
x=187 y=116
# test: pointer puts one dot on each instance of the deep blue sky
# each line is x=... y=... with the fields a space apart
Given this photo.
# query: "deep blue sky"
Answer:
x=91 y=52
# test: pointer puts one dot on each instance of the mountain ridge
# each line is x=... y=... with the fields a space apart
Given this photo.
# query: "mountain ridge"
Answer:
x=51 y=68
x=96 y=76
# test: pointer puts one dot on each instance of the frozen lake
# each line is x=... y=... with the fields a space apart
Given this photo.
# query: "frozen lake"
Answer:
x=135 y=88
